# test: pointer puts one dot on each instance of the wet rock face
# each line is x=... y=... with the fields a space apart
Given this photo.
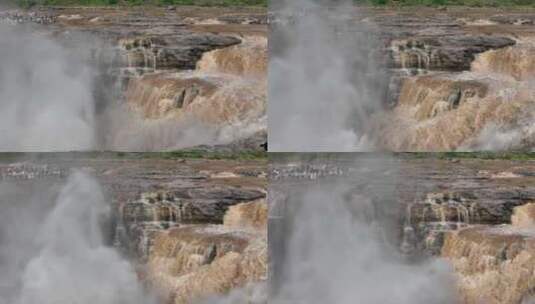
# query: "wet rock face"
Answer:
x=453 y=53
x=153 y=212
x=464 y=208
x=180 y=51
x=201 y=206
x=430 y=40
x=429 y=220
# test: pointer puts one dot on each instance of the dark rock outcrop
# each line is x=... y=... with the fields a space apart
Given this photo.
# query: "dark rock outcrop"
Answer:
x=156 y=211
x=179 y=51
x=450 y=53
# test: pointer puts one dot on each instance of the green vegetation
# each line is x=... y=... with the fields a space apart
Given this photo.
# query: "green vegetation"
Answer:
x=182 y=154
x=29 y=3
x=513 y=156
x=242 y=155
x=475 y=3
x=486 y=155
x=264 y=3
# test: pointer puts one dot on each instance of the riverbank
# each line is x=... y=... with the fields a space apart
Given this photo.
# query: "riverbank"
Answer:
x=234 y=3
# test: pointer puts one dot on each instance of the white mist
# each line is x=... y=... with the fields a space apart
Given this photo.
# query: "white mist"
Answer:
x=337 y=251
x=321 y=78
x=45 y=95
x=66 y=260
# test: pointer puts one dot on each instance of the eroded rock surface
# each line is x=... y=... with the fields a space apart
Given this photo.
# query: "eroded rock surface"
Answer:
x=451 y=53
x=158 y=211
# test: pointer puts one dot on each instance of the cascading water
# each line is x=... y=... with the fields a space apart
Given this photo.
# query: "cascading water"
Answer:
x=427 y=221
x=78 y=92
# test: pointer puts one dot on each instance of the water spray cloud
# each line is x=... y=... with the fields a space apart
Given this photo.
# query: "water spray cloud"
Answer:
x=339 y=245
x=45 y=94
x=322 y=78
x=70 y=262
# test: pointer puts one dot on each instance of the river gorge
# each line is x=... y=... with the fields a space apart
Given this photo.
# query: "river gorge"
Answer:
x=133 y=79
x=377 y=228
x=132 y=229
x=400 y=79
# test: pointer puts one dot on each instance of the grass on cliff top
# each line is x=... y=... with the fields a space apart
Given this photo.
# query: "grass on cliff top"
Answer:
x=200 y=154
x=474 y=3
x=474 y=155
x=182 y=154
x=264 y=3
x=519 y=156
x=29 y=3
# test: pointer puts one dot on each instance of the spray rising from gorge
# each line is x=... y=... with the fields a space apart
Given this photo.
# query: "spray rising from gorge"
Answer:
x=61 y=237
x=335 y=235
x=45 y=95
x=322 y=80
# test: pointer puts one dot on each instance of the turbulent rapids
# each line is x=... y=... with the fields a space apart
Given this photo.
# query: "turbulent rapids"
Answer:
x=96 y=78
x=384 y=79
